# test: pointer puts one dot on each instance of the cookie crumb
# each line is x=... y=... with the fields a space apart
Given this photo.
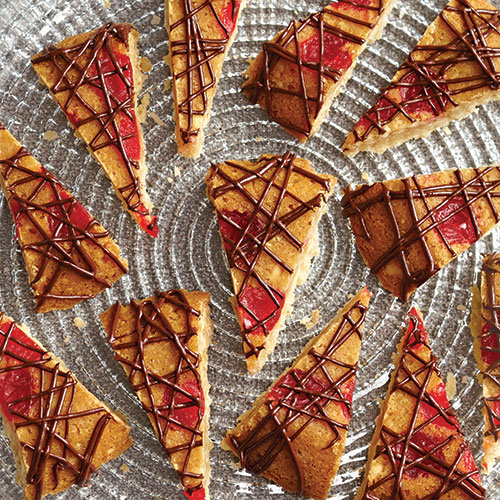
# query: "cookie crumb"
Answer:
x=155 y=20
x=156 y=118
x=461 y=307
x=79 y=323
x=177 y=171
x=166 y=85
x=451 y=385
x=125 y=468
x=447 y=130
x=106 y=3
x=145 y=64
x=258 y=139
x=465 y=379
x=143 y=107
x=170 y=180
x=364 y=176
x=67 y=339
x=50 y=135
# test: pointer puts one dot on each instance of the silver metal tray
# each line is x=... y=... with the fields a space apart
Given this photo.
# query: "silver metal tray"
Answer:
x=188 y=252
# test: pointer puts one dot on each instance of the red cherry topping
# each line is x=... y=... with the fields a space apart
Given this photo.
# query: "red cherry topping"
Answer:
x=459 y=228
x=257 y=301
x=228 y=17
x=333 y=56
x=198 y=494
x=186 y=410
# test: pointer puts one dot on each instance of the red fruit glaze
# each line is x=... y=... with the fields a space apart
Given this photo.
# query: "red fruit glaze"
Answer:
x=385 y=113
x=298 y=399
x=427 y=411
x=417 y=92
x=187 y=416
x=227 y=18
x=148 y=223
x=17 y=384
x=333 y=56
x=118 y=90
x=359 y=5
x=231 y=231
x=458 y=229
x=347 y=392
x=411 y=338
x=196 y=495
x=78 y=215
x=258 y=301
x=489 y=342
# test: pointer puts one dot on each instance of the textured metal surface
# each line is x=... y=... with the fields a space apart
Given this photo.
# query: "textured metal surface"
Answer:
x=188 y=253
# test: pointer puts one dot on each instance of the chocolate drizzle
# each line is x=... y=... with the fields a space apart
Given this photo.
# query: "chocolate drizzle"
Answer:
x=300 y=405
x=80 y=70
x=50 y=416
x=275 y=172
x=491 y=317
x=265 y=89
x=423 y=76
x=152 y=326
x=404 y=451
x=359 y=202
x=195 y=54
x=66 y=244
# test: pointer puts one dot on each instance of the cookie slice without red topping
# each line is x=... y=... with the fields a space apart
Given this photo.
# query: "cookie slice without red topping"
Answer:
x=200 y=33
x=59 y=432
x=95 y=77
x=298 y=74
x=418 y=450
x=454 y=68
x=161 y=343
x=485 y=327
x=408 y=229
x=295 y=432
x=268 y=213
x=69 y=256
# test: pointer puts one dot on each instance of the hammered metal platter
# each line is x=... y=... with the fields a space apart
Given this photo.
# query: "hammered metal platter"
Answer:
x=188 y=253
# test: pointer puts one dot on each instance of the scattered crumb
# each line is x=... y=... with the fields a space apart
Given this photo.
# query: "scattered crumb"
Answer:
x=258 y=139
x=50 y=135
x=364 y=176
x=170 y=180
x=465 y=379
x=315 y=316
x=67 y=339
x=145 y=64
x=376 y=325
x=177 y=171
x=155 y=20
x=447 y=130
x=125 y=468
x=6 y=270
x=143 y=107
x=461 y=307
x=156 y=118
x=166 y=85
x=79 y=323
x=312 y=321
x=451 y=385
x=350 y=296
x=107 y=3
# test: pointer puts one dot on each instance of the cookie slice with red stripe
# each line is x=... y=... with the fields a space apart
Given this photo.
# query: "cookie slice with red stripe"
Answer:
x=268 y=213
x=295 y=432
x=59 y=432
x=302 y=69
x=408 y=229
x=95 y=77
x=485 y=327
x=200 y=33
x=69 y=256
x=453 y=69
x=418 y=450
x=161 y=343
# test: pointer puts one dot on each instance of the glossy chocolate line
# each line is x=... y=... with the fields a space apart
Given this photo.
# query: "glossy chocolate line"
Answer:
x=473 y=191
x=152 y=326
x=197 y=51
x=53 y=400
x=288 y=409
x=68 y=60
x=396 y=447
x=490 y=315
x=67 y=251
x=245 y=253
x=286 y=49
x=429 y=72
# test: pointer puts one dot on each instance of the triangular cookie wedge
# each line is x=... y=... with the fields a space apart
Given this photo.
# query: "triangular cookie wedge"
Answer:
x=200 y=33
x=408 y=229
x=453 y=69
x=295 y=432
x=69 y=256
x=293 y=83
x=268 y=213
x=418 y=450
x=59 y=432
x=161 y=343
x=95 y=77
x=485 y=327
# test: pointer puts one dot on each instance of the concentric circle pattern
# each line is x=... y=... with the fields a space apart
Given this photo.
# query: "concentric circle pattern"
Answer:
x=188 y=253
